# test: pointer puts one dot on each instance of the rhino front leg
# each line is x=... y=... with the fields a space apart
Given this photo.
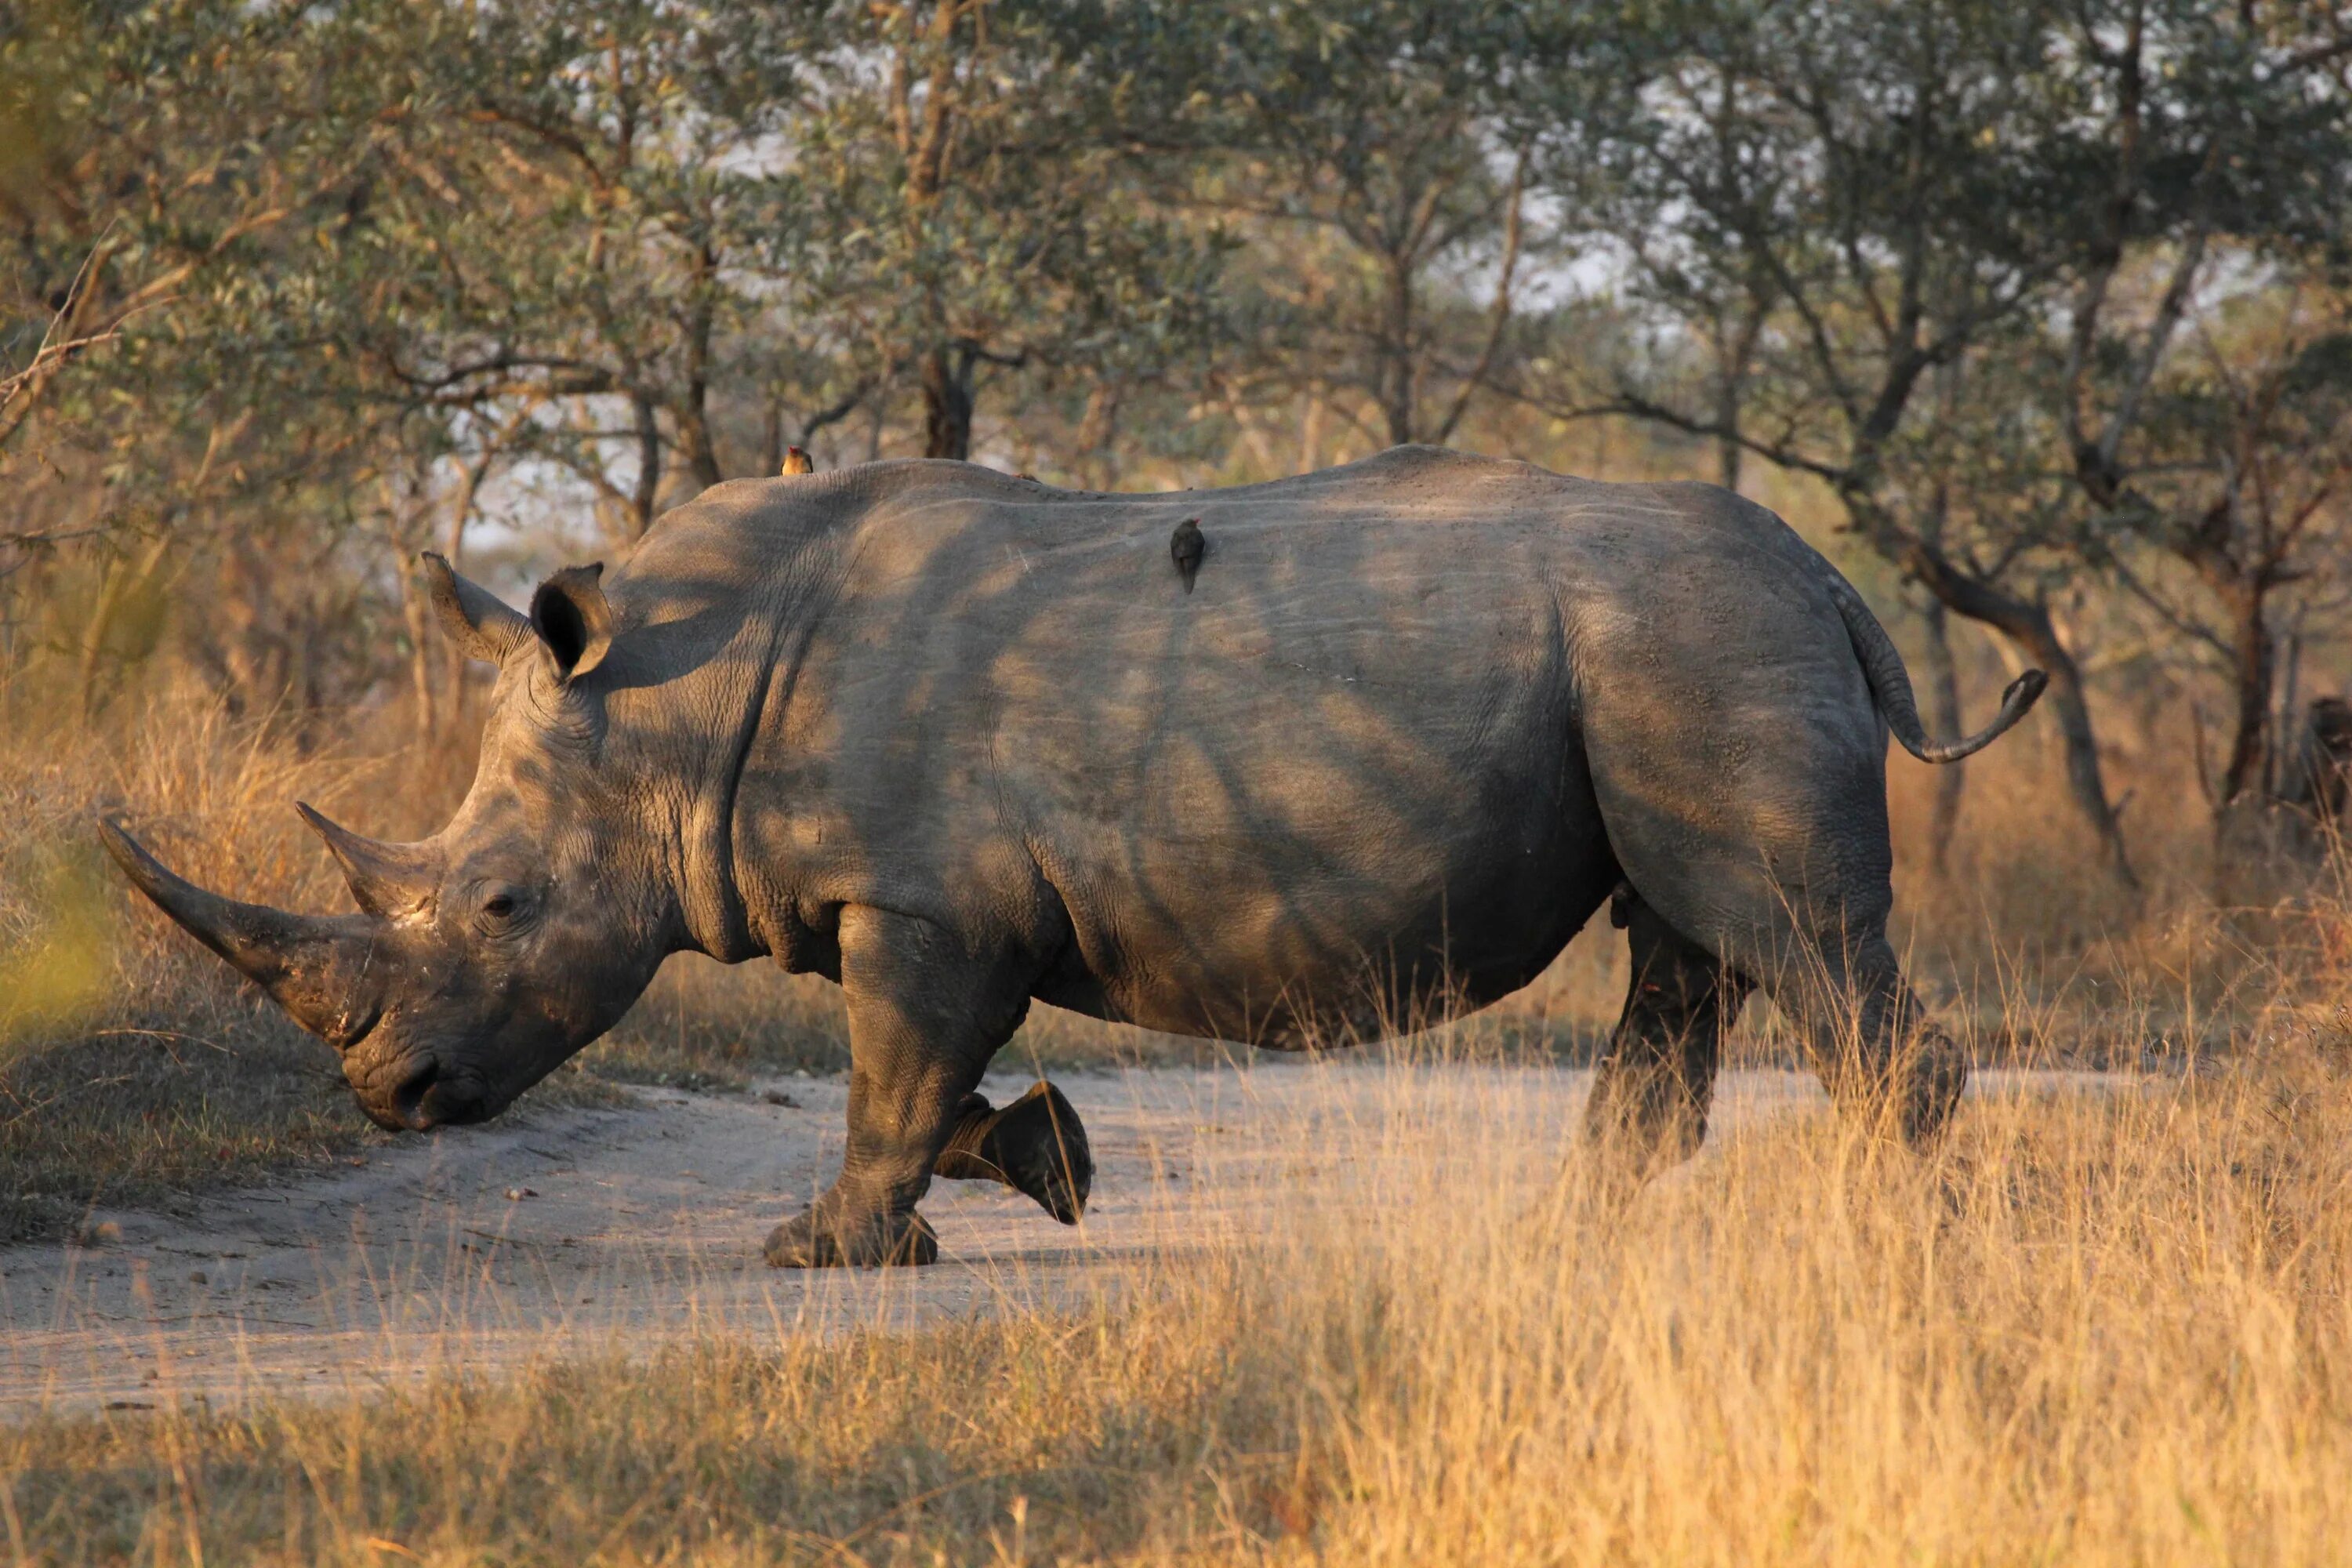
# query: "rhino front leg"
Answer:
x=925 y=1016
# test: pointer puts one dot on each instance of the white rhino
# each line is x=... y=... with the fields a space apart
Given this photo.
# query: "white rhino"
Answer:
x=958 y=740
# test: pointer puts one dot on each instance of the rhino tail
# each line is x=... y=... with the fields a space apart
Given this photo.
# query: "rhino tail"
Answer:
x=1890 y=683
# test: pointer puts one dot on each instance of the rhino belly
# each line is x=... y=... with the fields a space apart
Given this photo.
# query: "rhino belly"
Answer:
x=1330 y=956
x=1329 y=894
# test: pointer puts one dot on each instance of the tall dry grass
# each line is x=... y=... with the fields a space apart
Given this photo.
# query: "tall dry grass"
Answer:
x=135 y=1066
x=2107 y=1324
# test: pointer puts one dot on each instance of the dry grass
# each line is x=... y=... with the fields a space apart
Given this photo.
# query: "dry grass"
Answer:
x=135 y=1066
x=2107 y=1325
x=132 y=1066
x=2108 y=1322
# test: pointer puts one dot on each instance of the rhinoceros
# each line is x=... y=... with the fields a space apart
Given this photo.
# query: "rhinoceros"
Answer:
x=960 y=741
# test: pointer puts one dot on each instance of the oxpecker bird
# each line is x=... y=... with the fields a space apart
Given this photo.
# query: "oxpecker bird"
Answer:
x=1185 y=547
x=797 y=462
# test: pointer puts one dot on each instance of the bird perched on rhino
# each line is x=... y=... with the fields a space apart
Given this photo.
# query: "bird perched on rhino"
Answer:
x=797 y=461
x=1186 y=547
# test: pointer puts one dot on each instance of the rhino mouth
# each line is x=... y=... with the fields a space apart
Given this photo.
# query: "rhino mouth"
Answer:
x=429 y=1094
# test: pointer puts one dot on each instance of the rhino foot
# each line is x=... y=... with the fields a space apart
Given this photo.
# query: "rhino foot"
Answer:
x=808 y=1240
x=1035 y=1145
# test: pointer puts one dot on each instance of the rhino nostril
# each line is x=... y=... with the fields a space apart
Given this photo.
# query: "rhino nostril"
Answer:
x=408 y=1099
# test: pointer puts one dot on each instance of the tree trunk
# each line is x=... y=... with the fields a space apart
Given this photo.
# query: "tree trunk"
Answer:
x=1733 y=353
x=419 y=619
x=649 y=463
x=1097 y=444
x=2083 y=778
x=453 y=551
x=2286 y=687
x=693 y=418
x=1396 y=354
x=95 y=631
x=701 y=452
x=2250 y=674
x=1943 y=674
x=1726 y=450
x=948 y=404
x=407 y=524
x=1944 y=716
x=771 y=437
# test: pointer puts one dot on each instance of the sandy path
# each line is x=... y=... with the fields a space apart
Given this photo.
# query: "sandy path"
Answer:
x=644 y=1223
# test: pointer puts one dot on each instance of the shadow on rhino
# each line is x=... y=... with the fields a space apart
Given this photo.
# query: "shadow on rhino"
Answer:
x=958 y=741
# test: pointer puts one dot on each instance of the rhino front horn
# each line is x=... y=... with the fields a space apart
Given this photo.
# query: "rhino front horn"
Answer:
x=388 y=880
x=315 y=967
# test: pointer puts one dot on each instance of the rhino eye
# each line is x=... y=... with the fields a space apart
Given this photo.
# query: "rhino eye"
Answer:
x=502 y=909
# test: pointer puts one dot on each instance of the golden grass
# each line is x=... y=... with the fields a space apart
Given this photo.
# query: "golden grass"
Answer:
x=132 y=1066
x=2107 y=1323
x=135 y=1066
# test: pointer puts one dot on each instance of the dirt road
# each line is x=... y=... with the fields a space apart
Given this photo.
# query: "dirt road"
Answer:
x=560 y=1232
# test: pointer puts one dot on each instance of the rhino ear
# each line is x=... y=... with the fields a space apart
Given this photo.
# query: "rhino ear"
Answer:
x=476 y=620
x=573 y=620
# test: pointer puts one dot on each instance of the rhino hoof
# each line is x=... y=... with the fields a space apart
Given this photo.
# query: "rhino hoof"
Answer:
x=1036 y=1146
x=1042 y=1146
x=880 y=1241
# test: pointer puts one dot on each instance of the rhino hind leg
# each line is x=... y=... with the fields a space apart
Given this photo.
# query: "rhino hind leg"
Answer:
x=1885 y=1062
x=1652 y=1091
x=1035 y=1145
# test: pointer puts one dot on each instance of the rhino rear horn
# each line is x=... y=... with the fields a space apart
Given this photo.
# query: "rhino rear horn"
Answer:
x=319 y=969
x=391 y=880
x=476 y=620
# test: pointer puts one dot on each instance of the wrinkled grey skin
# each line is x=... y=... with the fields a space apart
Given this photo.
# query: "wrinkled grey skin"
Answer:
x=958 y=740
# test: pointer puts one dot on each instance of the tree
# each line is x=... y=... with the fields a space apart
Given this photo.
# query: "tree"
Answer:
x=2200 y=391
x=967 y=166
x=574 y=210
x=2237 y=472
x=126 y=186
x=1376 y=155
x=161 y=158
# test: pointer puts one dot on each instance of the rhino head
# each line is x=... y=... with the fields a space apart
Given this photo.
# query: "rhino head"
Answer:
x=482 y=957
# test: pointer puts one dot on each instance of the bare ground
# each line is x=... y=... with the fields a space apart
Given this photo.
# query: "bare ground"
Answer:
x=560 y=1232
